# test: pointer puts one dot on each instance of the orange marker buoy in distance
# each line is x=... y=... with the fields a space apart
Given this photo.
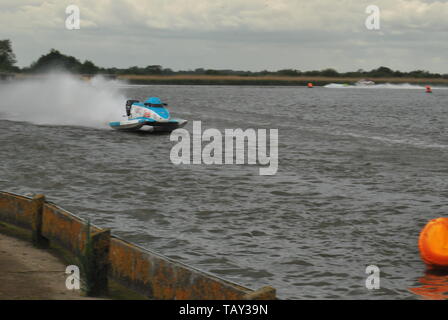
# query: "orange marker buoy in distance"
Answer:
x=428 y=89
x=310 y=85
x=433 y=243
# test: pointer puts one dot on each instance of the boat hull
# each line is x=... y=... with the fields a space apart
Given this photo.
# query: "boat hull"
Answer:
x=148 y=125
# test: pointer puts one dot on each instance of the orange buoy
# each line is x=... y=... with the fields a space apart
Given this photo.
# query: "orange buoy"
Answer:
x=433 y=243
x=428 y=89
x=310 y=85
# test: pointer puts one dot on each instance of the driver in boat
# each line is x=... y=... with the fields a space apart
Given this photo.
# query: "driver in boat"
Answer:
x=154 y=102
x=151 y=102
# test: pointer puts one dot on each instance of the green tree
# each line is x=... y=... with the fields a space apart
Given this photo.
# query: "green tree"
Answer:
x=329 y=73
x=167 y=71
x=212 y=72
x=88 y=67
x=153 y=69
x=56 y=60
x=7 y=56
x=289 y=72
x=381 y=72
x=312 y=73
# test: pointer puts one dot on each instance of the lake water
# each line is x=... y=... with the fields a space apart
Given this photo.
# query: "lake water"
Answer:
x=360 y=173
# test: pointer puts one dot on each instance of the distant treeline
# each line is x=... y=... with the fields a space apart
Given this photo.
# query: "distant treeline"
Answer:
x=56 y=60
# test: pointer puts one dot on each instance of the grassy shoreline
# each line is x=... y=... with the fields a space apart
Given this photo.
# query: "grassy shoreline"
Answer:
x=265 y=80
x=249 y=80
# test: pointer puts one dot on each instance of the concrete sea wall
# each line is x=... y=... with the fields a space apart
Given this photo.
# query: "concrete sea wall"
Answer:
x=148 y=273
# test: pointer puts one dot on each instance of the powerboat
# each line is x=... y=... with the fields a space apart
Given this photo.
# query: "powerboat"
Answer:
x=364 y=82
x=151 y=115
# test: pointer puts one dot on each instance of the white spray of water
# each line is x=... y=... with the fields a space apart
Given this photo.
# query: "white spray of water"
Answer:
x=377 y=86
x=62 y=99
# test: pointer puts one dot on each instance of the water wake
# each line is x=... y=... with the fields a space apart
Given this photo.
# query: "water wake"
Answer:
x=377 y=86
x=62 y=99
x=395 y=140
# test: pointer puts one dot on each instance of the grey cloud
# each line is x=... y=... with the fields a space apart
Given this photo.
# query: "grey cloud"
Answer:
x=247 y=34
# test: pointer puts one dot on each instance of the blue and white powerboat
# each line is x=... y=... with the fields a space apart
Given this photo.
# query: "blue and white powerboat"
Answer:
x=151 y=115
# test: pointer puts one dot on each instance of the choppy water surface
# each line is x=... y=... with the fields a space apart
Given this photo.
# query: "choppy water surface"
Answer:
x=360 y=173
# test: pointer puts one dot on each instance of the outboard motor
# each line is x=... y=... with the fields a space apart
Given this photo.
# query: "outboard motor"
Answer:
x=129 y=105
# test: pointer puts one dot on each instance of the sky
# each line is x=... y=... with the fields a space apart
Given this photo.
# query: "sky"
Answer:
x=233 y=34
